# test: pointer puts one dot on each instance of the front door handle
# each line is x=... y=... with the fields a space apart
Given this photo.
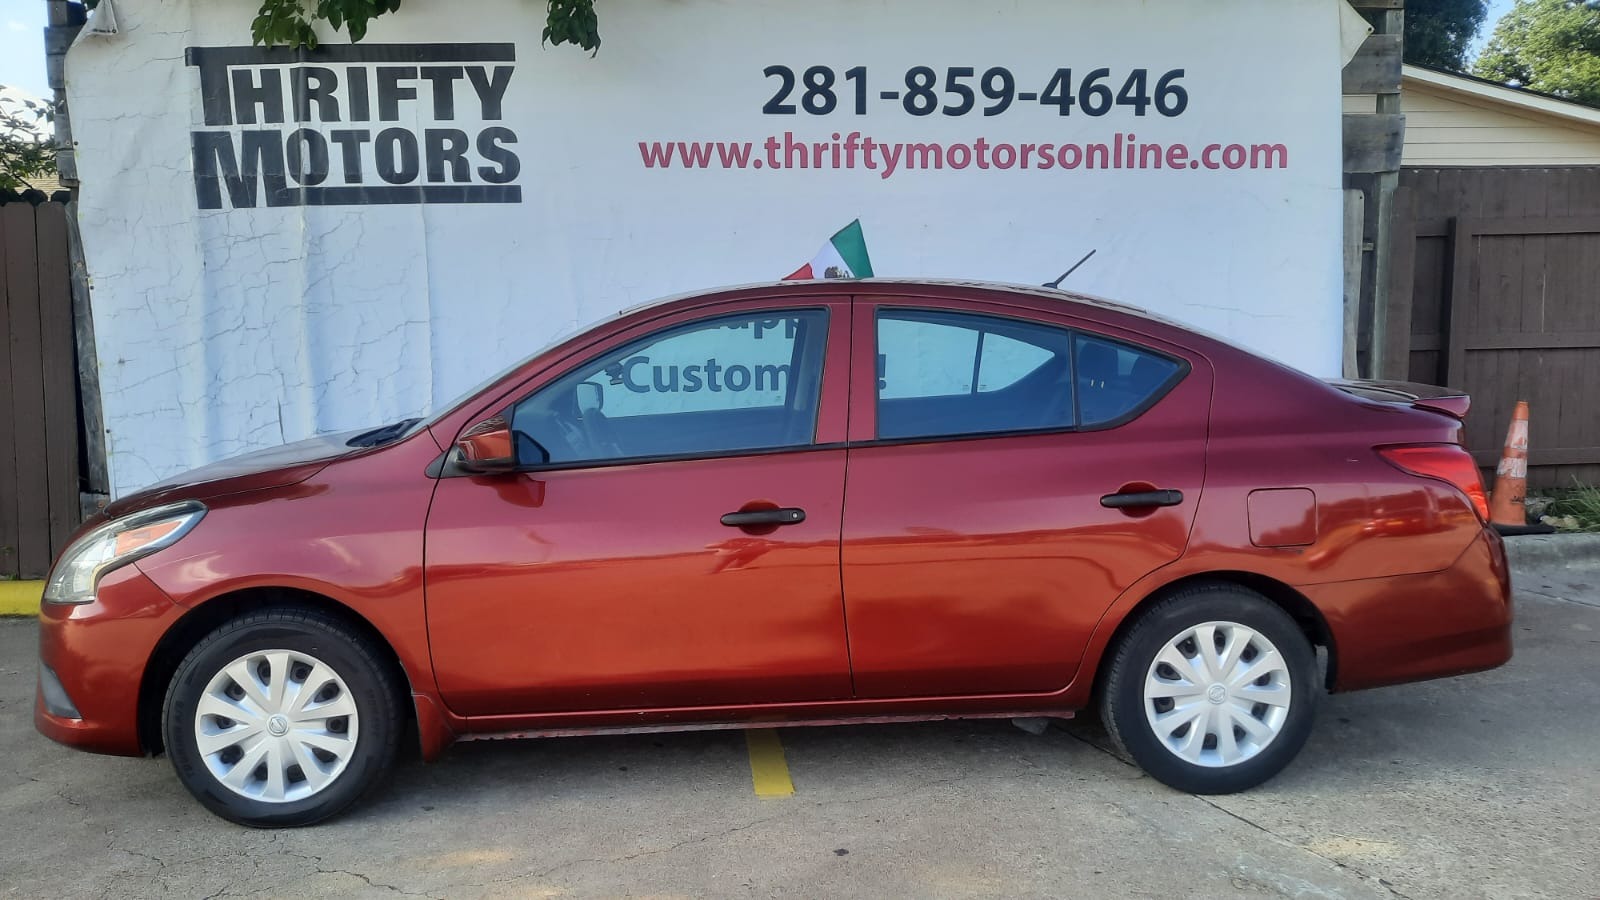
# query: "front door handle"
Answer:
x=1136 y=499
x=788 y=515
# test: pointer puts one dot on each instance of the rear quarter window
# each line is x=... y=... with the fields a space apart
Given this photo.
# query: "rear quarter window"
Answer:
x=1116 y=379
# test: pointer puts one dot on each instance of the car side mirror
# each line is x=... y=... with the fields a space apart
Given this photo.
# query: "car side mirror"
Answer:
x=487 y=447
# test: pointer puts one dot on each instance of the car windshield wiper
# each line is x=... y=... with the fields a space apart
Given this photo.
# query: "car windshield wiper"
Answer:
x=381 y=435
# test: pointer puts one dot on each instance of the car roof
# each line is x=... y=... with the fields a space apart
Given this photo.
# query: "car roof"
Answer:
x=1195 y=337
x=887 y=285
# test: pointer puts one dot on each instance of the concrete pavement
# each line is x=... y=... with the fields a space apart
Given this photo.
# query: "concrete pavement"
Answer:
x=1481 y=786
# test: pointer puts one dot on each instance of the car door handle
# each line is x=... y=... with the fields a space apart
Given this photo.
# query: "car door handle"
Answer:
x=1134 y=499
x=788 y=515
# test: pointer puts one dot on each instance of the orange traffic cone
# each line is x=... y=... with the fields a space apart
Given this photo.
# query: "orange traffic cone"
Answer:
x=1506 y=506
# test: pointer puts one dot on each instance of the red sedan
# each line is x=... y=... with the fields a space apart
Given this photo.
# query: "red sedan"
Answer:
x=791 y=504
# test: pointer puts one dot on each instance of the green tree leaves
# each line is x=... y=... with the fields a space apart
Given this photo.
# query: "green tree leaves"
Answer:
x=290 y=22
x=1438 y=32
x=1551 y=46
x=573 y=22
x=24 y=155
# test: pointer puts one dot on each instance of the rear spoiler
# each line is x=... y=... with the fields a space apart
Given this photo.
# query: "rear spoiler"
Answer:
x=1451 y=402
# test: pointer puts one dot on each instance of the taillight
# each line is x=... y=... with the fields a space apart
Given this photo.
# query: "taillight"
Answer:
x=1446 y=462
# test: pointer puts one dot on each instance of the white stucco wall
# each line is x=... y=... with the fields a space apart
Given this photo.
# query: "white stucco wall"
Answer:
x=230 y=328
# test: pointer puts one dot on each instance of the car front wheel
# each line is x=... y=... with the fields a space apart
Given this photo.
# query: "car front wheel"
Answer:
x=281 y=717
x=1212 y=690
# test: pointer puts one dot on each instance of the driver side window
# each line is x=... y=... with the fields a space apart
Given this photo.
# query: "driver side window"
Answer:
x=720 y=386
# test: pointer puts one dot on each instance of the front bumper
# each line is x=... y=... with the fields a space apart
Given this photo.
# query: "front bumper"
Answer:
x=1416 y=627
x=93 y=658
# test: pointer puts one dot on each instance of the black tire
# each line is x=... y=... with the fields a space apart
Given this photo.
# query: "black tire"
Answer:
x=1123 y=703
x=352 y=658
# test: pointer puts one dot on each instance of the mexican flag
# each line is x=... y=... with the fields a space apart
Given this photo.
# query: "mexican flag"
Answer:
x=843 y=256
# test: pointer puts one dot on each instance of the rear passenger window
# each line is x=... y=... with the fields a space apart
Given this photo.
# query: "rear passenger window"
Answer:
x=953 y=374
x=1115 y=379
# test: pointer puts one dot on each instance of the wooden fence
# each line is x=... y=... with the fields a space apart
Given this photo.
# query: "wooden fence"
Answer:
x=1503 y=271
x=39 y=438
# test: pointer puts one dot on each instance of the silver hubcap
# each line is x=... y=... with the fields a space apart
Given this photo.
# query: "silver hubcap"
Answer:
x=276 y=725
x=1217 y=694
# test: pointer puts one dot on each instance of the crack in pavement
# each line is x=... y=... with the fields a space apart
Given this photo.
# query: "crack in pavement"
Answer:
x=1383 y=883
x=1557 y=599
x=58 y=790
x=795 y=809
x=316 y=862
x=1277 y=838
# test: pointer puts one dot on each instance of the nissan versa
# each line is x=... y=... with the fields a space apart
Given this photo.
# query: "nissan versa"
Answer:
x=791 y=504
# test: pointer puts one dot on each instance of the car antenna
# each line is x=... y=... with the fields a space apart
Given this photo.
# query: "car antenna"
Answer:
x=1057 y=283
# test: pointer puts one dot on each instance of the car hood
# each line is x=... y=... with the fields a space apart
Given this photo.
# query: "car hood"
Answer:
x=270 y=468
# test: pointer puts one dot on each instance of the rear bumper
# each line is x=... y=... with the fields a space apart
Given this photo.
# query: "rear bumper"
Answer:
x=92 y=660
x=1416 y=627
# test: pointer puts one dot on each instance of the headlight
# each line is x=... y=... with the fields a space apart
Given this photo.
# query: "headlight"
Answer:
x=116 y=543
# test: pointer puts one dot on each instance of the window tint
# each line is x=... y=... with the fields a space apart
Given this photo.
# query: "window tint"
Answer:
x=1005 y=361
x=928 y=359
x=952 y=374
x=1114 y=379
x=720 y=386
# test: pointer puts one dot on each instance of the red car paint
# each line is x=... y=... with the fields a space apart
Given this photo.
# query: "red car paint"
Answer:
x=932 y=578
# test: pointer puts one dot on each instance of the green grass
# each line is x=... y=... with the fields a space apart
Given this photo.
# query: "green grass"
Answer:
x=1575 y=509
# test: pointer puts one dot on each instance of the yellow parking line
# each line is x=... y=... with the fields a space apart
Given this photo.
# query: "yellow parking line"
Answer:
x=768 y=771
x=20 y=598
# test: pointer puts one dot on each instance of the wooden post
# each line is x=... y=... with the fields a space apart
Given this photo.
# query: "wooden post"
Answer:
x=1373 y=146
x=97 y=482
x=1393 y=25
x=65 y=20
x=1354 y=227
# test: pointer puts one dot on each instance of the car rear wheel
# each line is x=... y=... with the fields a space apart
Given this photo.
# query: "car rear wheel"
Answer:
x=1212 y=690
x=281 y=717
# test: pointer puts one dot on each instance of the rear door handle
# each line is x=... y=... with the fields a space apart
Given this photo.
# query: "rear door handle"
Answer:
x=1141 y=498
x=788 y=515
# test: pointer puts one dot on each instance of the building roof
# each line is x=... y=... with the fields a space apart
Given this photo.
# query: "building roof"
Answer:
x=1458 y=120
x=1482 y=89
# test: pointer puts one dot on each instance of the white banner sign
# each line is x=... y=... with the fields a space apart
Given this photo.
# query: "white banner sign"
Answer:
x=287 y=242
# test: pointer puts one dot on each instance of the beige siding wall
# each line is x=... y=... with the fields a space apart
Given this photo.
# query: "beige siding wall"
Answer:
x=1446 y=129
